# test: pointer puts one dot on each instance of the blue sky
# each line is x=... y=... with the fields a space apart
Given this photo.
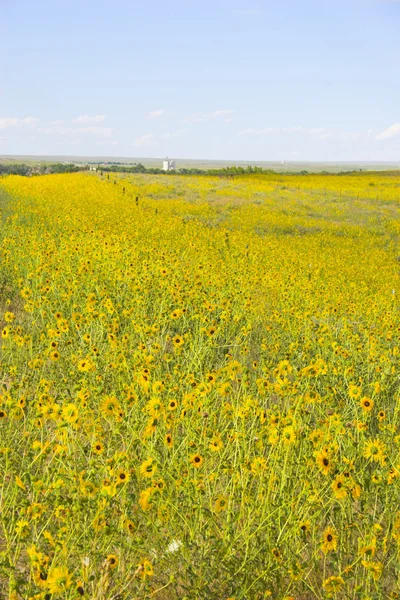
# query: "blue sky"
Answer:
x=222 y=79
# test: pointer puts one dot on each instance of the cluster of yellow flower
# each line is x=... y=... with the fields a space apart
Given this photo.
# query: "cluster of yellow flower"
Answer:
x=199 y=389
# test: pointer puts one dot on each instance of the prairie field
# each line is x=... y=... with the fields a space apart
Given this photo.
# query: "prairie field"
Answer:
x=200 y=387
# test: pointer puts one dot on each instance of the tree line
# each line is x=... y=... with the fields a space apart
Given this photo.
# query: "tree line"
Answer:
x=29 y=170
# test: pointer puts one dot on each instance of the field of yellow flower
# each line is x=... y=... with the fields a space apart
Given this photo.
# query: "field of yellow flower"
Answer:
x=200 y=393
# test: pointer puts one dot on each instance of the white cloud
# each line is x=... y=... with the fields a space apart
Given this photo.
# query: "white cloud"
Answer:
x=220 y=113
x=202 y=117
x=276 y=130
x=100 y=131
x=390 y=132
x=262 y=131
x=74 y=131
x=320 y=132
x=56 y=130
x=88 y=119
x=148 y=139
x=155 y=114
x=16 y=122
x=354 y=135
x=172 y=134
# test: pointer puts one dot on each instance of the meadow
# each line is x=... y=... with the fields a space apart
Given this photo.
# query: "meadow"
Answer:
x=200 y=387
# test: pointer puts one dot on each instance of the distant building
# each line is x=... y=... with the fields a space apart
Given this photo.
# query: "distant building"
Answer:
x=168 y=165
x=93 y=168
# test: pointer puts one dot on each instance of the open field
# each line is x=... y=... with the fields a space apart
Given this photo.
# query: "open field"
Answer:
x=200 y=387
x=186 y=163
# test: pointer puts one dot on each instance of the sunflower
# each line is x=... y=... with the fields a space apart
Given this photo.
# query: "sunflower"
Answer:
x=109 y=488
x=145 y=498
x=305 y=526
x=367 y=404
x=273 y=436
x=375 y=451
x=277 y=554
x=368 y=548
x=355 y=489
x=381 y=415
x=98 y=448
x=22 y=528
x=288 y=436
x=392 y=475
x=333 y=584
x=109 y=406
x=323 y=461
x=22 y=402
x=99 y=523
x=375 y=568
x=159 y=484
x=329 y=540
x=88 y=489
x=211 y=378
x=211 y=331
x=169 y=441
x=178 y=341
x=84 y=365
x=123 y=476
x=155 y=407
x=172 y=405
x=36 y=510
x=112 y=561
x=196 y=460
x=58 y=580
x=25 y=293
x=55 y=355
x=338 y=487
x=203 y=388
x=70 y=413
x=17 y=413
x=158 y=386
x=129 y=526
x=296 y=571
x=216 y=444
x=145 y=569
x=354 y=391
x=376 y=479
x=221 y=504
x=9 y=316
x=225 y=389
x=3 y=414
x=148 y=468
x=151 y=426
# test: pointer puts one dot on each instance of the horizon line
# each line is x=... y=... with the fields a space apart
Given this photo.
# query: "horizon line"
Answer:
x=241 y=160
